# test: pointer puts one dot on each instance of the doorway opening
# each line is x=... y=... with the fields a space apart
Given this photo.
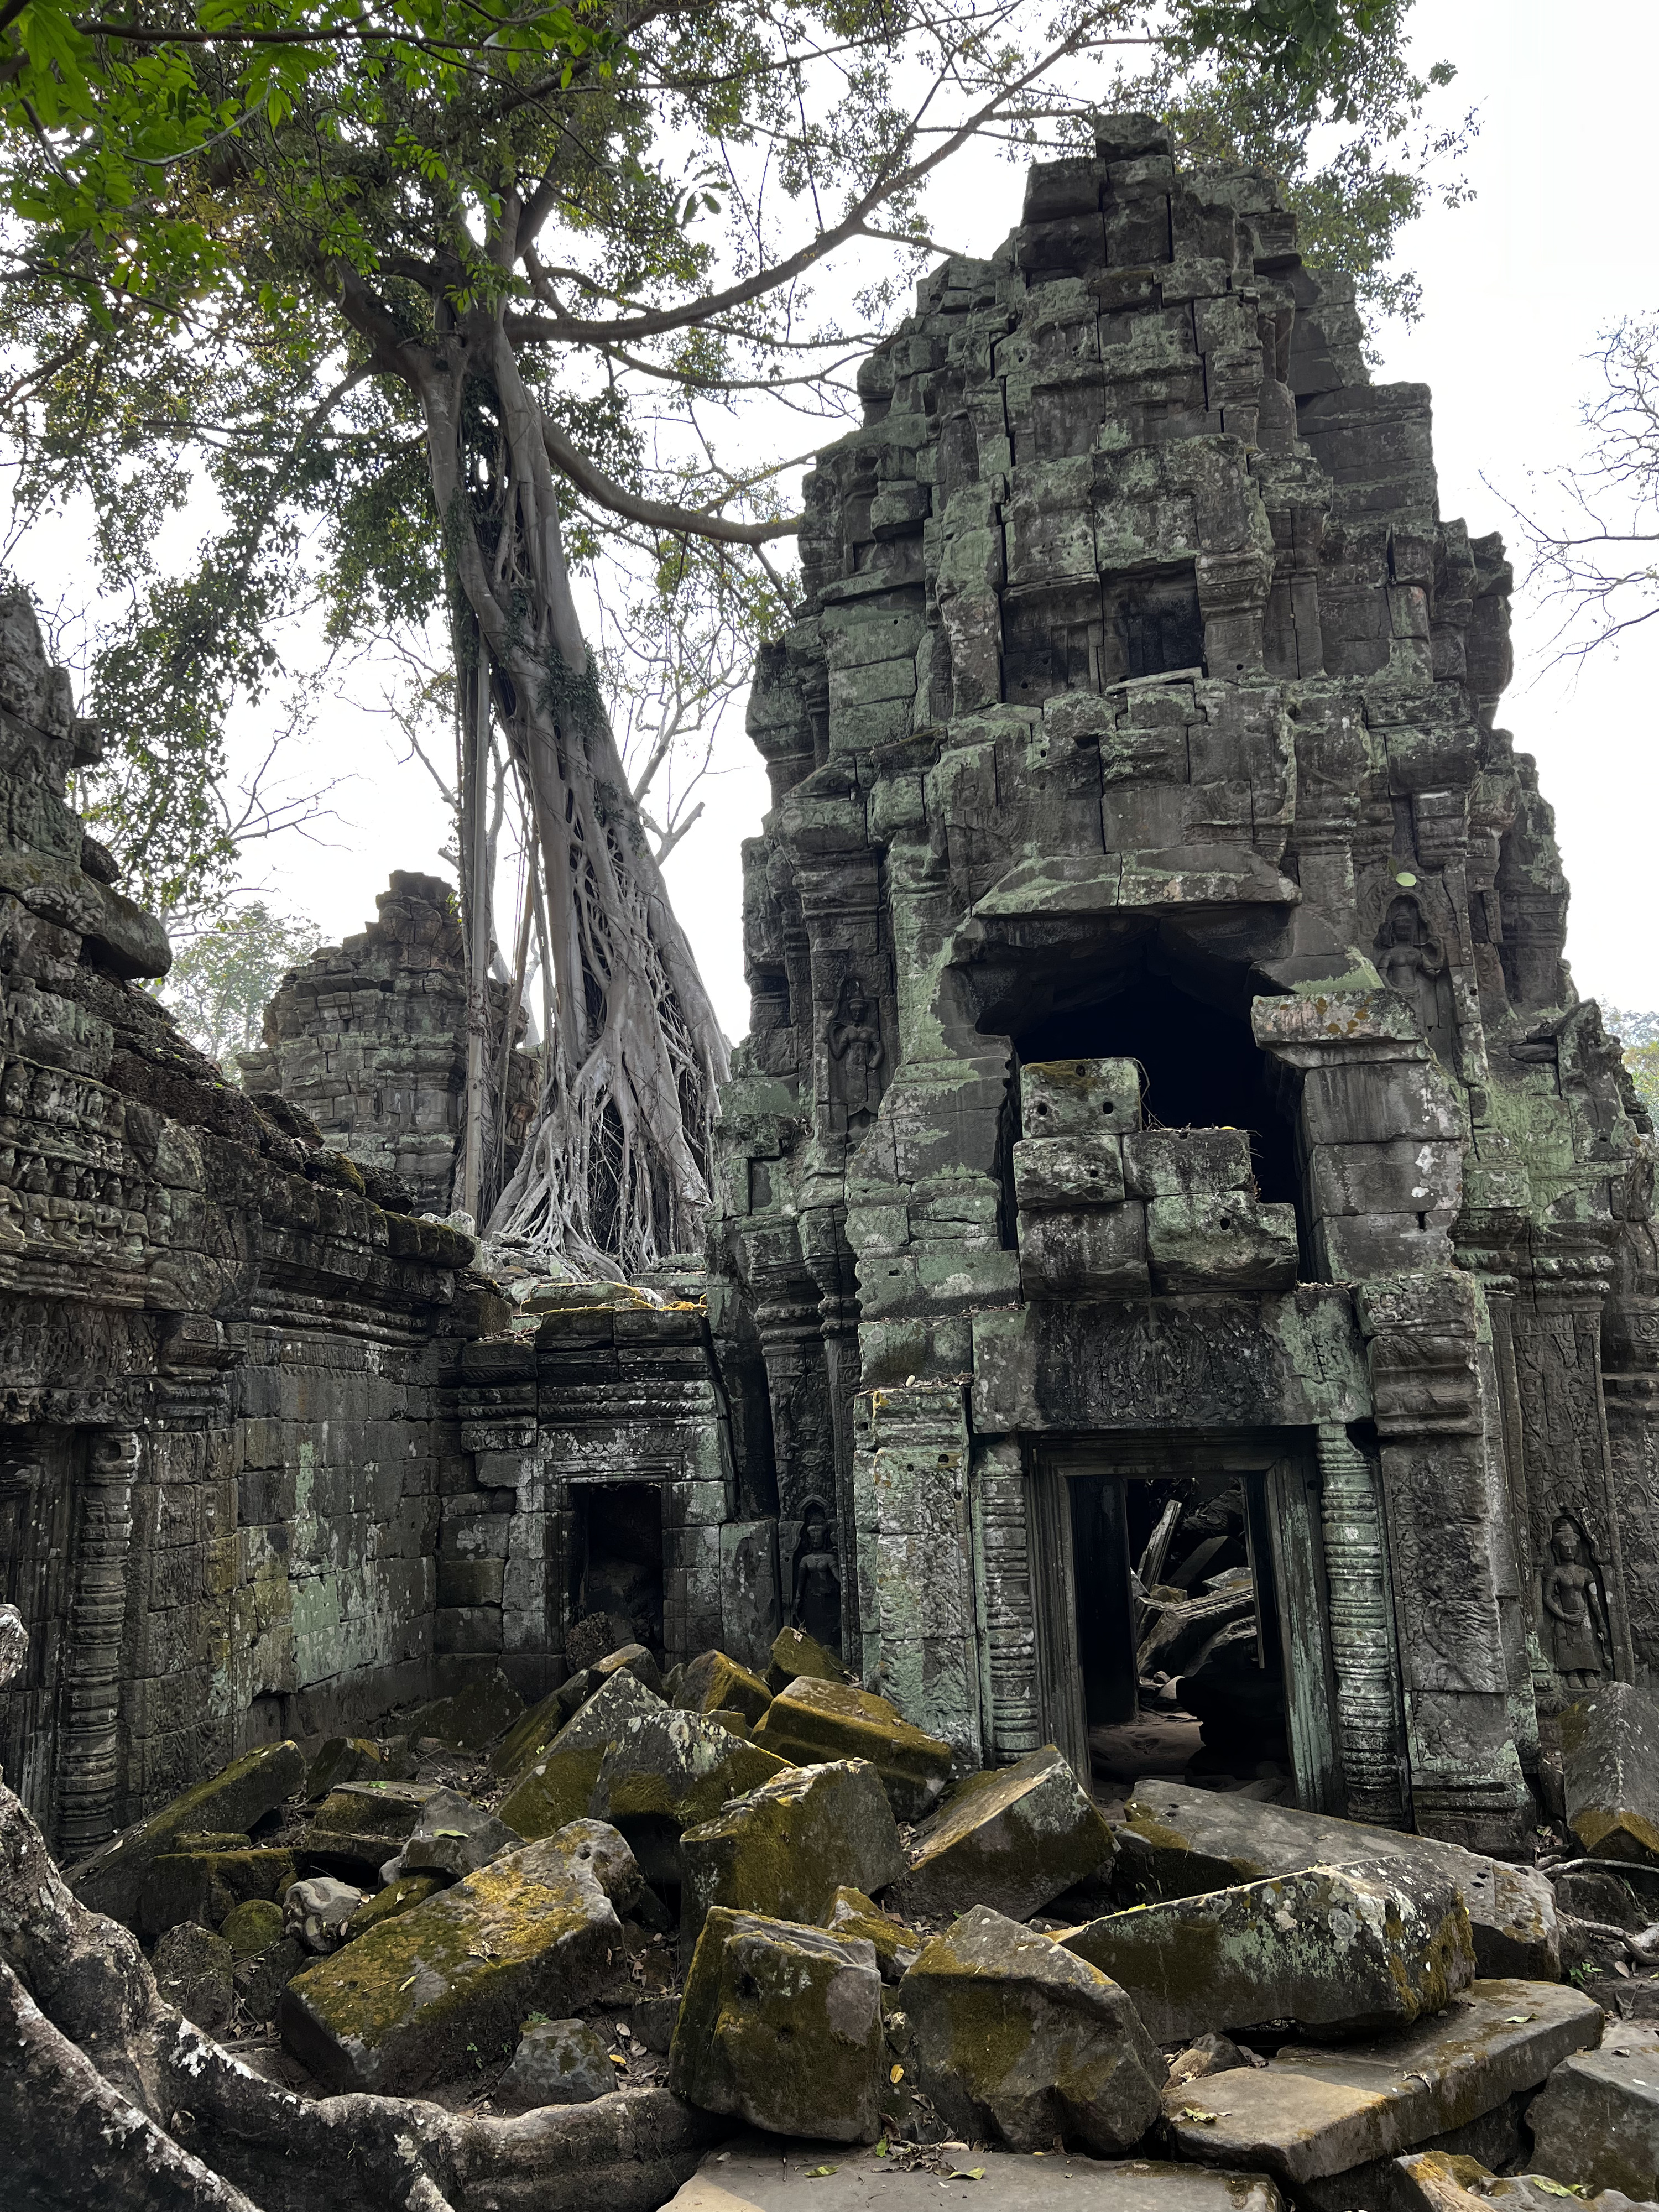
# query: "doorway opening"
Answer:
x=618 y=1557
x=1180 y=1606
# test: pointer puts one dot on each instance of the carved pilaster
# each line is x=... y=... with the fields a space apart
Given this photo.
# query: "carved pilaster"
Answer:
x=1008 y=1622
x=88 y=1775
x=1369 y=1727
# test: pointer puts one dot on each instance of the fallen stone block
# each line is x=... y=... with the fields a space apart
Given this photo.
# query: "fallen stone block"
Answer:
x=361 y=1824
x=1012 y=1838
x=1207 y=2054
x=558 y=2062
x=796 y=1657
x=1015 y=2038
x=896 y=1947
x=470 y=1717
x=1596 y=2125
x=784 y=1850
x=405 y=2003
x=1313 y=2111
x=400 y=1896
x=192 y=1968
x=811 y=1720
x=1610 y=1768
x=345 y=1759
x=670 y=1770
x=712 y=1683
x=1440 y=2181
x=533 y=1732
x=205 y=1885
x=1178 y=1841
x=765 y=2175
x=315 y=1912
x=781 y=2024
x=1350 y=1950
x=555 y=1787
x=627 y=1659
x=455 y=1836
x=109 y=1880
x=259 y=1981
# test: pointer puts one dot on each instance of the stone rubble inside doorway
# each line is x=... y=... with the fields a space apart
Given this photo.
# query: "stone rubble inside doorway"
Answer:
x=703 y=1962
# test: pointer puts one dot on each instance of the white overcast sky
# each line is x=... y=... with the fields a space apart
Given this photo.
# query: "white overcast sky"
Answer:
x=1555 y=247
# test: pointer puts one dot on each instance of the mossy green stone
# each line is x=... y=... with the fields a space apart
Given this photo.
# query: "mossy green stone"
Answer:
x=205 y=1886
x=854 y=1914
x=534 y=1730
x=796 y=1657
x=253 y=1928
x=811 y=1720
x=1014 y=1837
x=554 y=1791
x=416 y=1997
x=232 y=1801
x=400 y=1896
x=712 y=1683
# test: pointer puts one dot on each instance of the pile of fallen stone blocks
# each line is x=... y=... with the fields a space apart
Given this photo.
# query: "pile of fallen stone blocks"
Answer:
x=773 y=1897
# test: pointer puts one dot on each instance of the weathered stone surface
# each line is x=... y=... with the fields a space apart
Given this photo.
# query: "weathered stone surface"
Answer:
x=400 y=1896
x=786 y=1849
x=1015 y=2038
x=812 y=1720
x=345 y=1759
x=1596 y=2125
x=361 y=1824
x=1313 y=2111
x=1354 y=1950
x=627 y=1659
x=1012 y=1838
x=533 y=1732
x=315 y=1911
x=558 y=2062
x=1610 y=1765
x=781 y=2025
x=557 y=1786
x=669 y=1771
x=232 y=1800
x=896 y=1947
x=1177 y=1841
x=1442 y=2181
x=205 y=1885
x=473 y=1718
x=796 y=1657
x=398 y=2007
x=193 y=1970
x=253 y=1927
x=261 y=1980
x=712 y=1683
x=788 y=2176
x=455 y=1836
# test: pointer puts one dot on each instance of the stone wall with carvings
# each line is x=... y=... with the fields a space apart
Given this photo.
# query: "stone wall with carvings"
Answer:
x=227 y=1374
x=1160 y=1024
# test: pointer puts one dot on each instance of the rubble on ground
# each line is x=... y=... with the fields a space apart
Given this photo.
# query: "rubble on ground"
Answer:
x=624 y=1896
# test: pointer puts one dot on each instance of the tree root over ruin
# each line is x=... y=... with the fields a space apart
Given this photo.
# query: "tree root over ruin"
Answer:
x=111 y=2101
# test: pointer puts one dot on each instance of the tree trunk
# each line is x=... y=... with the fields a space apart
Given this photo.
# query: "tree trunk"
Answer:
x=615 y=1172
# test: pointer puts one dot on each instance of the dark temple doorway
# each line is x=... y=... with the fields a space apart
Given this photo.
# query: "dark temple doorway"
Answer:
x=1180 y=1615
x=618 y=1557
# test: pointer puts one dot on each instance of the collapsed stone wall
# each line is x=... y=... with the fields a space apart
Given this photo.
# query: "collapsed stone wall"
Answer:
x=227 y=1419
x=1141 y=721
x=369 y=1039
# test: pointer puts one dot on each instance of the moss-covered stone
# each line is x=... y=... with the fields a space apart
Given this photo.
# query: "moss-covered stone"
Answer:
x=554 y=1791
x=628 y=1659
x=204 y=1886
x=785 y=1849
x=533 y=1732
x=712 y=1683
x=361 y=1824
x=192 y=1968
x=558 y=2062
x=400 y=1896
x=418 y=1996
x=1017 y=2039
x=471 y=1717
x=896 y=1947
x=251 y=1928
x=781 y=2024
x=1013 y=1837
x=796 y=1657
x=669 y=1771
x=1610 y=1763
x=812 y=1719
x=232 y=1800
x=1356 y=1949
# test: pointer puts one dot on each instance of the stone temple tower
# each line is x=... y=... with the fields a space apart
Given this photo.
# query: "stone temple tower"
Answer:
x=1163 y=1071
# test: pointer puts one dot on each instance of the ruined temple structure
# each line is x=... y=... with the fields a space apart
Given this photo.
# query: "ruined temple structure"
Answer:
x=1164 y=1082
x=1181 y=1245
x=369 y=1039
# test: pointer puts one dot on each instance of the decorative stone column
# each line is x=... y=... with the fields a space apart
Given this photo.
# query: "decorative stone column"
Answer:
x=89 y=1766
x=1364 y=1656
x=1005 y=1602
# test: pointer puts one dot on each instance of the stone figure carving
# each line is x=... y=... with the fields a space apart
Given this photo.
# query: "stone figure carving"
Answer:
x=816 y=1606
x=856 y=1054
x=1411 y=960
x=1575 y=1622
